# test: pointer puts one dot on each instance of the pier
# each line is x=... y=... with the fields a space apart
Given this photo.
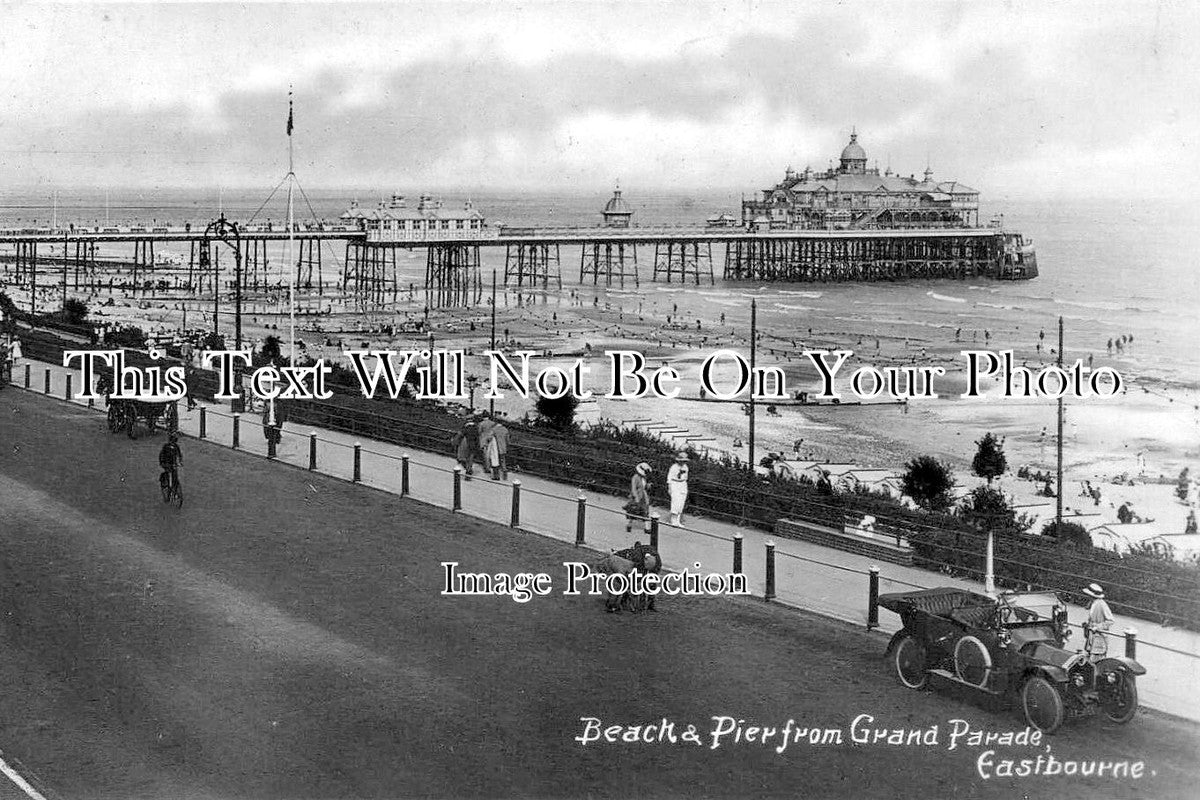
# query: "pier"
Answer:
x=608 y=256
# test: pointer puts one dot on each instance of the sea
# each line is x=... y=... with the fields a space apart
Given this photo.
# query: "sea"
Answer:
x=1107 y=268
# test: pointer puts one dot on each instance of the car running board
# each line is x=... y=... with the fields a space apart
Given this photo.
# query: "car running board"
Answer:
x=950 y=676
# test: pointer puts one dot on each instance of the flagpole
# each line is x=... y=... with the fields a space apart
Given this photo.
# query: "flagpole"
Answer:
x=290 y=224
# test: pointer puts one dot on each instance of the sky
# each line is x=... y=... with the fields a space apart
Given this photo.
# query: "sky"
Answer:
x=1038 y=99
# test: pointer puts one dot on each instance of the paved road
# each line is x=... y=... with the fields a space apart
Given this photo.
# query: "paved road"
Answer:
x=831 y=582
x=283 y=635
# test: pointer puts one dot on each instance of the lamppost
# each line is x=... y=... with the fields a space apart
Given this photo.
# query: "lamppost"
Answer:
x=225 y=231
x=472 y=385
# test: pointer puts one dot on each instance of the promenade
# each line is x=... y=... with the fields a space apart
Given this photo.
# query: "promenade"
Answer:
x=828 y=582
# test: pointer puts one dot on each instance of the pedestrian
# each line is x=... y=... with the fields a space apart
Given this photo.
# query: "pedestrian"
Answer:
x=14 y=352
x=189 y=382
x=677 y=485
x=466 y=442
x=1100 y=619
x=500 y=437
x=487 y=447
x=638 y=506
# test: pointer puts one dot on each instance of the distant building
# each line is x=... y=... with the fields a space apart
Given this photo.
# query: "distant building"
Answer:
x=395 y=220
x=855 y=196
x=617 y=212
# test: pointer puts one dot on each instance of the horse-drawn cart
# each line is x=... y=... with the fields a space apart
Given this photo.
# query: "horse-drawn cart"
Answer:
x=123 y=415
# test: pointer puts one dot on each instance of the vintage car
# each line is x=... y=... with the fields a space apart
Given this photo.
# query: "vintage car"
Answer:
x=1012 y=644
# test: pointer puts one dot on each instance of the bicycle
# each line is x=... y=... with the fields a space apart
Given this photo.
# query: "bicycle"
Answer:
x=171 y=489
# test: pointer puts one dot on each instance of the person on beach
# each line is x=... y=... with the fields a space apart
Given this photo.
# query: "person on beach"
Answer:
x=638 y=506
x=677 y=485
x=1100 y=619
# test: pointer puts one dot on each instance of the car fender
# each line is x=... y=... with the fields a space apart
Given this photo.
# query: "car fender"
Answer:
x=1056 y=675
x=896 y=637
x=1114 y=663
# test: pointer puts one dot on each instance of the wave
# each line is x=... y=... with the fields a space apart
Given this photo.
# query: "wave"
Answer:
x=945 y=298
x=810 y=295
x=786 y=307
x=1098 y=305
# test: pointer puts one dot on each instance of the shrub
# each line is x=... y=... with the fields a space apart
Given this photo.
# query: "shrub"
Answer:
x=74 y=312
x=989 y=462
x=928 y=482
x=986 y=508
x=558 y=412
x=1068 y=533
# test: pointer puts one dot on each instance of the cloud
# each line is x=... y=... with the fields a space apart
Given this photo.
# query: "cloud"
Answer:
x=1010 y=100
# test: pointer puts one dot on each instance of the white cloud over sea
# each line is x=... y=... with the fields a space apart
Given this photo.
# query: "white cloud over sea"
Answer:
x=1017 y=99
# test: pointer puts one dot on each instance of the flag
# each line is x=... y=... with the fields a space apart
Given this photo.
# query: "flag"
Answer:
x=289 y=115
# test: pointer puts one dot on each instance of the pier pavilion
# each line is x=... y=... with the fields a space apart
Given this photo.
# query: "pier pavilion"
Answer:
x=854 y=196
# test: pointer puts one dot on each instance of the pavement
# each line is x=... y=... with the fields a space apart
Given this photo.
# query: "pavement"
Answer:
x=826 y=581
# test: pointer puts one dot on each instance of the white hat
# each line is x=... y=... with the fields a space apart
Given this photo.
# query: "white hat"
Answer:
x=644 y=469
x=681 y=456
x=1094 y=590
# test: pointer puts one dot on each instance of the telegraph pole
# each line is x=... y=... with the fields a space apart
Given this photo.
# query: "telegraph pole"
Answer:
x=753 y=348
x=1059 y=499
x=492 y=401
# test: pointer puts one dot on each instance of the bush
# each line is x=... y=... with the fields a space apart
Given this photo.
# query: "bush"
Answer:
x=74 y=312
x=1068 y=533
x=928 y=482
x=986 y=509
x=989 y=462
x=558 y=412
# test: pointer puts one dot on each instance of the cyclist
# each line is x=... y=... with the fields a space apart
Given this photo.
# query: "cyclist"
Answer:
x=170 y=458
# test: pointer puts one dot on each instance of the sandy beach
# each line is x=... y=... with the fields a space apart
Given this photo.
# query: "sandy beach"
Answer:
x=1147 y=433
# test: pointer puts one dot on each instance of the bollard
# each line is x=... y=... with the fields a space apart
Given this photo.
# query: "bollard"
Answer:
x=873 y=599
x=737 y=554
x=403 y=475
x=67 y=393
x=769 y=594
x=458 y=475
x=47 y=380
x=516 y=504
x=1131 y=643
x=357 y=462
x=27 y=372
x=270 y=445
x=580 y=518
x=654 y=532
x=203 y=422
x=237 y=418
x=312 y=451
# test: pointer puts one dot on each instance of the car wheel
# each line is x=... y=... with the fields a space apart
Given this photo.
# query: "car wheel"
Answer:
x=909 y=662
x=972 y=662
x=1042 y=704
x=1120 y=699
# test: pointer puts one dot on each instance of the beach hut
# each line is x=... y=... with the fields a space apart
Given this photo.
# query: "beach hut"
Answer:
x=875 y=480
x=1179 y=546
x=1124 y=537
x=792 y=470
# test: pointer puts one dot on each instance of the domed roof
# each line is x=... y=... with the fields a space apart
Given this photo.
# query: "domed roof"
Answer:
x=617 y=205
x=854 y=151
